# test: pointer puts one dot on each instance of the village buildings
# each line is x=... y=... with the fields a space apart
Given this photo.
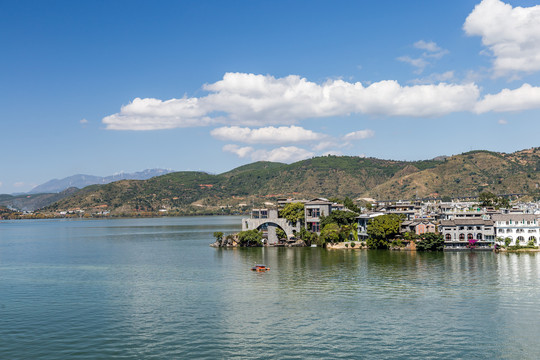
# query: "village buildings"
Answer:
x=461 y=224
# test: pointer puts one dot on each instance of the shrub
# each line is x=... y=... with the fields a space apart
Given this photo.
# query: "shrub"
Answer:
x=353 y=244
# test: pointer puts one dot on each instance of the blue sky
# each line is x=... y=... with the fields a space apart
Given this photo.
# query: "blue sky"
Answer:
x=100 y=87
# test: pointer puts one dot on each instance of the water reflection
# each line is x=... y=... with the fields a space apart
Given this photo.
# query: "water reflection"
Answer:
x=153 y=288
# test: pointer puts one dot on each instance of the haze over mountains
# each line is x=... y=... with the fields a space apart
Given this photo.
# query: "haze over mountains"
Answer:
x=80 y=180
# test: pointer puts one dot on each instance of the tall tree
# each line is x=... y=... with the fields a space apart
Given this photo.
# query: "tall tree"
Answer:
x=293 y=212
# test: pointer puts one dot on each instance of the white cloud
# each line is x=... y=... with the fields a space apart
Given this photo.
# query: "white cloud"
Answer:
x=155 y=114
x=266 y=135
x=432 y=49
x=418 y=63
x=435 y=78
x=427 y=45
x=258 y=100
x=83 y=121
x=359 y=135
x=511 y=34
x=524 y=98
x=0 y=184
x=286 y=154
x=502 y=122
x=239 y=151
x=19 y=184
x=323 y=145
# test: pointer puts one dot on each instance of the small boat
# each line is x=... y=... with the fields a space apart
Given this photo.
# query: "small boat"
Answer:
x=260 y=268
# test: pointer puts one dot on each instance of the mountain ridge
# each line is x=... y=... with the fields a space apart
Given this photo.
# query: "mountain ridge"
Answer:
x=254 y=184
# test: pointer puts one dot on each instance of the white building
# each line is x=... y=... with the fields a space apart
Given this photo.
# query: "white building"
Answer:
x=521 y=228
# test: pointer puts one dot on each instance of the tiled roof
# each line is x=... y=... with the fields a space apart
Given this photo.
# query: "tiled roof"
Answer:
x=514 y=217
x=465 y=222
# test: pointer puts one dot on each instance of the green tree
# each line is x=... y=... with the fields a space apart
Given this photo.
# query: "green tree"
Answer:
x=250 y=238
x=293 y=212
x=487 y=198
x=430 y=242
x=348 y=232
x=218 y=235
x=280 y=233
x=330 y=233
x=339 y=217
x=384 y=227
x=373 y=243
x=349 y=204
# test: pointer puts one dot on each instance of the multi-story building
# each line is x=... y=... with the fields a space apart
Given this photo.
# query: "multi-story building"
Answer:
x=363 y=220
x=418 y=226
x=520 y=228
x=459 y=232
x=314 y=209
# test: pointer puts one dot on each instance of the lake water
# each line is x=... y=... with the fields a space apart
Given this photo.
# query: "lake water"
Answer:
x=154 y=289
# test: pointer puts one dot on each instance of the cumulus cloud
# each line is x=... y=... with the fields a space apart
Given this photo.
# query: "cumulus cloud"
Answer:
x=286 y=154
x=258 y=100
x=511 y=34
x=241 y=152
x=83 y=121
x=524 y=98
x=359 y=135
x=266 y=135
x=502 y=122
x=155 y=114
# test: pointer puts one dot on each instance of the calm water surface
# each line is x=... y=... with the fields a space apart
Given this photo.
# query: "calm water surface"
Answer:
x=154 y=289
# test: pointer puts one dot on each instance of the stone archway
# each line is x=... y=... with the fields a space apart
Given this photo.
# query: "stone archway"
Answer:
x=271 y=231
x=271 y=224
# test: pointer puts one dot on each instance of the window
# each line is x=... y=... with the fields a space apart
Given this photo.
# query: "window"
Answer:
x=479 y=236
x=520 y=239
x=508 y=230
x=478 y=228
x=461 y=237
x=533 y=239
x=501 y=230
x=469 y=236
x=469 y=228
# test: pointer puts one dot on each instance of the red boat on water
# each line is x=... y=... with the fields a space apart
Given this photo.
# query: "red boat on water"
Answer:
x=260 y=268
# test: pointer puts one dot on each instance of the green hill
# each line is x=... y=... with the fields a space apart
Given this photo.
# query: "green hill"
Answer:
x=253 y=184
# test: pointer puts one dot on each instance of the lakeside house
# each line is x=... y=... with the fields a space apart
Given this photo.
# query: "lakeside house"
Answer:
x=460 y=232
x=315 y=209
x=363 y=220
x=519 y=228
x=418 y=226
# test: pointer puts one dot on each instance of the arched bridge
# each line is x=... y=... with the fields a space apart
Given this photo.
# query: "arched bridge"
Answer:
x=272 y=224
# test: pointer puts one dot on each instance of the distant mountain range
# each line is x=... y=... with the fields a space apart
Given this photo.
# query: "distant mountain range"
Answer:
x=54 y=190
x=31 y=202
x=330 y=176
x=80 y=181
